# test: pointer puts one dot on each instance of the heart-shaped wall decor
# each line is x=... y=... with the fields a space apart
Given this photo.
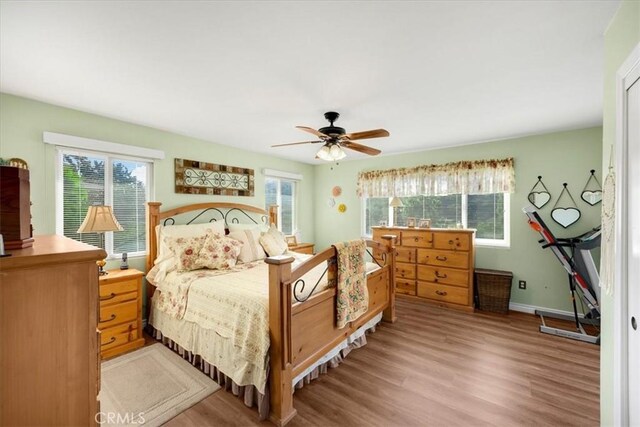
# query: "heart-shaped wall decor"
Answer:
x=592 y=197
x=539 y=198
x=565 y=216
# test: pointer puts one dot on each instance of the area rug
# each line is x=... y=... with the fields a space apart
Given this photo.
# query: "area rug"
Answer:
x=149 y=387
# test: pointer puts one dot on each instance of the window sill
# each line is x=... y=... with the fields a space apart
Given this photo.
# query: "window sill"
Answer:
x=494 y=244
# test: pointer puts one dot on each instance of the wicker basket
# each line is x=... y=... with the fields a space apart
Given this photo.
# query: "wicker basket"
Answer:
x=494 y=290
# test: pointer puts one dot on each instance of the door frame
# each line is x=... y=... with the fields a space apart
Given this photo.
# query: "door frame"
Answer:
x=629 y=68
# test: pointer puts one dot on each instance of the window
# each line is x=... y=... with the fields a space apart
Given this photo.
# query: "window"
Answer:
x=86 y=178
x=486 y=213
x=282 y=192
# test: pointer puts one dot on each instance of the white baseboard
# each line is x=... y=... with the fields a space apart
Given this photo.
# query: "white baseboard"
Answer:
x=531 y=309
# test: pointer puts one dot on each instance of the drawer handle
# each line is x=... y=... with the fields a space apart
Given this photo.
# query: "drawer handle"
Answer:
x=441 y=258
x=113 y=316
x=442 y=276
x=416 y=239
x=110 y=341
x=451 y=242
x=441 y=293
x=108 y=298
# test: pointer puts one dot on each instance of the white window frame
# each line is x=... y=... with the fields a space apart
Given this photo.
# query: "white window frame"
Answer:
x=294 y=214
x=108 y=190
x=499 y=243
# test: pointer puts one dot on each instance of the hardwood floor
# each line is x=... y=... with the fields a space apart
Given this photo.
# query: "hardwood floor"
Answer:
x=441 y=367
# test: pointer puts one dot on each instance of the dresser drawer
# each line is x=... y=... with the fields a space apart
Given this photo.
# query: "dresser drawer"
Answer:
x=448 y=276
x=443 y=258
x=109 y=290
x=117 y=298
x=405 y=255
x=405 y=270
x=118 y=335
x=115 y=314
x=407 y=287
x=417 y=239
x=444 y=293
x=379 y=232
x=452 y=241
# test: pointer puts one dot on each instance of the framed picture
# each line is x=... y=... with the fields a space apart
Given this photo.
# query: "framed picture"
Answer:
x=383 y=223
x=424 y=223
x=411 y=222
x=291 y=241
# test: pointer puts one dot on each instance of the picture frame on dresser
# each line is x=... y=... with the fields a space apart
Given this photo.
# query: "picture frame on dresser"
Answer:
x=411 y=222
x=424 y=223
x=291 y=240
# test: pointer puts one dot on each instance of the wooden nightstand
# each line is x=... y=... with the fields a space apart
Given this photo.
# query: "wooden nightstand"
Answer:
x=120 y=321
x=303 y=248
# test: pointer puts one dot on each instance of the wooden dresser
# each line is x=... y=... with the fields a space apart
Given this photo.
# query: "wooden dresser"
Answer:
x=120 y=321
x=49 y=357
x=434 y=264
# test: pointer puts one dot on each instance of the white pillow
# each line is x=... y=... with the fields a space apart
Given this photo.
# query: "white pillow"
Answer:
x=274 y=242
x=190 y=230
x=263 y=228
x=251 y=249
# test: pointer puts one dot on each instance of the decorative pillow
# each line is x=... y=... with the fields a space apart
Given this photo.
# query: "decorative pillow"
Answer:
x=209 y=251
x=188 y=250
x=221 y=252
x=274 y=242
x=251 y=249
x=190 y=230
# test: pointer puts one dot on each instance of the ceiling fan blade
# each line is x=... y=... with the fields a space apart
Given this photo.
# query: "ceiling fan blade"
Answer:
x=313 y=131
x=367 y=134
x=361 y=148
x=296 y=143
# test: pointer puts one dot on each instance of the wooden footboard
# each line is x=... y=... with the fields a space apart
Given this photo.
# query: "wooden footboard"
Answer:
x=302 y=332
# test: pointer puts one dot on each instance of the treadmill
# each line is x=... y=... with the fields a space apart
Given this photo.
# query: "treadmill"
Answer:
x=584 y=282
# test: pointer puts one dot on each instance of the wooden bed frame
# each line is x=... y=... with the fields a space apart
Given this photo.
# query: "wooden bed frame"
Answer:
x=300 y=332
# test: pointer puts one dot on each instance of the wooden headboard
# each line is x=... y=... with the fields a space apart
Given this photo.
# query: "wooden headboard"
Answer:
x=230 y=213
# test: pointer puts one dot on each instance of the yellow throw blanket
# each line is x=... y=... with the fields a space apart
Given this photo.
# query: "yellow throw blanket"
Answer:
x=353 y=295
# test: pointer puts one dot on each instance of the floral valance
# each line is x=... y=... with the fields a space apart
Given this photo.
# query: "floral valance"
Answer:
x=468 y=177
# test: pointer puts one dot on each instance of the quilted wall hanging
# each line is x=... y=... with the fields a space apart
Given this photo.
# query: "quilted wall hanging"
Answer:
x=193 y=177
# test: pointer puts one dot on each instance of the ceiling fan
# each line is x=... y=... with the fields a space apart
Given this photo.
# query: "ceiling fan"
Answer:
x=334 y=138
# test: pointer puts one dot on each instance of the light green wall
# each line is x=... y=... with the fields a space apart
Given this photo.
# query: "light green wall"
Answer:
x=22 y=122
x=558 y=157
x=620 y=39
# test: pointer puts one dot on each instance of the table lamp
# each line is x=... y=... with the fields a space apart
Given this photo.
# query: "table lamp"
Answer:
x=395 y=203
x=100 y=219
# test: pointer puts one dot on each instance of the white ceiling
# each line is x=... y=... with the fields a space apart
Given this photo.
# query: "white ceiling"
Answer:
x=245 y=73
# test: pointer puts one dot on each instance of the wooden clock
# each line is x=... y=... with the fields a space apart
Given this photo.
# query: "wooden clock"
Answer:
x=15 y=207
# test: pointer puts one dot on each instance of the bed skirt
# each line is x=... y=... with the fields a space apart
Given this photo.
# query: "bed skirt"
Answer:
x=249 y=393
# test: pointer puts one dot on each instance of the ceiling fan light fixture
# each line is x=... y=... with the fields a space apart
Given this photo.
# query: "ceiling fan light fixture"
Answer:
x=337 y=153
x=324 y=153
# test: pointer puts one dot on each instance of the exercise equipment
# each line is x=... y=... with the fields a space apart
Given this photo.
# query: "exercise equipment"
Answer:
x=584 y=281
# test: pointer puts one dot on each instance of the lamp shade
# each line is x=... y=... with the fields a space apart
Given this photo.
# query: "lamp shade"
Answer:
x=396 y=202
x=99 y=219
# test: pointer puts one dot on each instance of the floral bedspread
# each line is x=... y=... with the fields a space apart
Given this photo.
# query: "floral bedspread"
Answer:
x=353 y=294
x=234 y=303
x=174 y=289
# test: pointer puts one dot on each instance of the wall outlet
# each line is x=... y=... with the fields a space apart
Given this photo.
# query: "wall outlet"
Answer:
x=522 y=284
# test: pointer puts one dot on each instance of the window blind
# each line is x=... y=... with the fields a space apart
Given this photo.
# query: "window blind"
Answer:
x=83 y=185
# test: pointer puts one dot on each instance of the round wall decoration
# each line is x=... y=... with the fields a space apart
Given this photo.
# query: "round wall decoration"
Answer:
x=336 y=191
x=331 y=202
x=342 y=208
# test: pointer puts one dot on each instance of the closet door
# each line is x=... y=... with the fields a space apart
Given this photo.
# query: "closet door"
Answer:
x=632 y=125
